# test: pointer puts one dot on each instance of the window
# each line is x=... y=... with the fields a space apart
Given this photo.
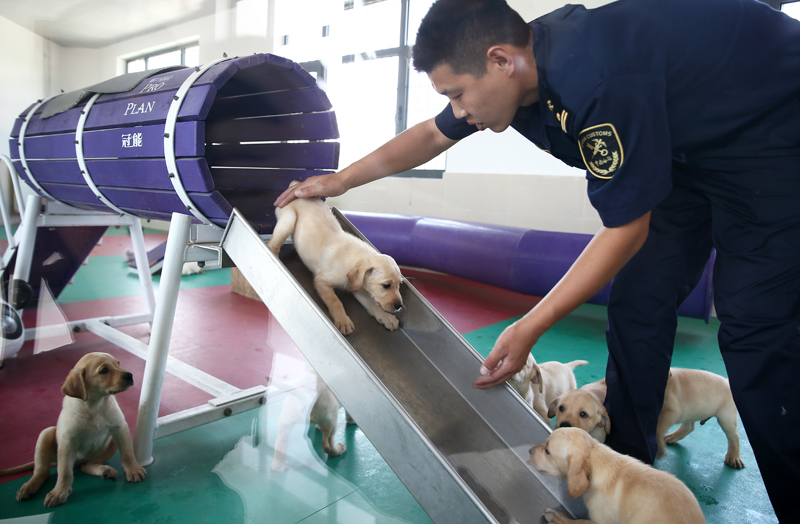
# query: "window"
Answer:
x=792 y=9
x=188 y=55
x=360 y=53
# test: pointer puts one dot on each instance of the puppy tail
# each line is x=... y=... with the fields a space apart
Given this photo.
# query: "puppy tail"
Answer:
x=576 y=364
x=18 y=469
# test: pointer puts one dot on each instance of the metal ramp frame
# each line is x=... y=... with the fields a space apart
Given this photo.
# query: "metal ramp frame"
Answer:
x=461 y=452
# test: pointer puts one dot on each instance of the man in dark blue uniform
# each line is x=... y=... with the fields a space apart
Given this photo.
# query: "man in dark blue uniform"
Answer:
x=686 y=117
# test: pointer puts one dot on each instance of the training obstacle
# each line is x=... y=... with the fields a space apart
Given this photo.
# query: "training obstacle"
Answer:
x=197 y=141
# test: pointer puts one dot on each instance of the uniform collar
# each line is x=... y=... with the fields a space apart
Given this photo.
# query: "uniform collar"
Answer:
x=553 y=112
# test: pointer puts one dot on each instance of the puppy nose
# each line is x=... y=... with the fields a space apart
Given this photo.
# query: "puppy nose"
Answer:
x=565 y=425
x=128 y=377
x=530 y=451
x=398 y=306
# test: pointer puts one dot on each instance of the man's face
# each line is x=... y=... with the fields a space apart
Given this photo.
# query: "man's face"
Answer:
x=489 y=102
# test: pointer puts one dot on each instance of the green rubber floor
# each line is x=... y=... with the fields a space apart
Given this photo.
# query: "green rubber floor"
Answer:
x=231 y=480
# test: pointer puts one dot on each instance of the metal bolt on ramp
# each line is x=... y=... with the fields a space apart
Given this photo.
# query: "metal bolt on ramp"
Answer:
x=461 y=452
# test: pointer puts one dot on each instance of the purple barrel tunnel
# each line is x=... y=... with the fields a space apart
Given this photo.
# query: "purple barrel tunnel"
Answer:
x=246 y=128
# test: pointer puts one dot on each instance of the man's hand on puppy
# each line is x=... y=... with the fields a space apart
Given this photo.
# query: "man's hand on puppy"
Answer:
x=315 y=186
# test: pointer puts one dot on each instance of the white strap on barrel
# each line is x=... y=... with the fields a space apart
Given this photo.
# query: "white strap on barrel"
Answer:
x=169 y=141
x=21 y=144
x=82 y=160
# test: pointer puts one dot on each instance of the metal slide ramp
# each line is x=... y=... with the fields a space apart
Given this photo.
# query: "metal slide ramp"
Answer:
x=461 y=452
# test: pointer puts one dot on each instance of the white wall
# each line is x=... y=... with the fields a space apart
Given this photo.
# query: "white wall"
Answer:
x=25 y=77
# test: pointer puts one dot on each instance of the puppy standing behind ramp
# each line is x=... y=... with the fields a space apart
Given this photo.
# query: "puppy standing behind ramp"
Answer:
x=556 y=379
x=90 y=428
x=583 y=408
x=617 y=488
x=339 y=260
x=692 y=395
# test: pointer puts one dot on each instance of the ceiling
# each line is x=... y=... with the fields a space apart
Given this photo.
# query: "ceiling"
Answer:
x=98 y=23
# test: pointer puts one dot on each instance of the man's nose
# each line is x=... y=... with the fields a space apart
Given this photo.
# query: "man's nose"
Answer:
x=458 y=111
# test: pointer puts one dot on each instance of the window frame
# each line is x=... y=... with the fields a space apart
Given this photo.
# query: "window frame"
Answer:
x=146 y=56
x=403 y=52
x=777 y=4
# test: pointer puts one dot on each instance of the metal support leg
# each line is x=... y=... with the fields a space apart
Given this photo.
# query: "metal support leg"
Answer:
x=143 y=266
x=27 y=240
x=12 y=243
x=159 y=338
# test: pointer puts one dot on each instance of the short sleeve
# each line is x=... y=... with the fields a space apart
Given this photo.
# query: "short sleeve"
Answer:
x=623 y=135
x=452 y=127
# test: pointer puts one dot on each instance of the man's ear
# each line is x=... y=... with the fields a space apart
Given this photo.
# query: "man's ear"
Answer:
x=74 y=386
x=498 y=56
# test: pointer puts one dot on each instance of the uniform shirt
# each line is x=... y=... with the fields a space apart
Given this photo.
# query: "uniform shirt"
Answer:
x=630 y=87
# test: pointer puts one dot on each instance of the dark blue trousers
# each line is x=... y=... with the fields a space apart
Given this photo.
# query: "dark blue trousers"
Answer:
x=751 y=215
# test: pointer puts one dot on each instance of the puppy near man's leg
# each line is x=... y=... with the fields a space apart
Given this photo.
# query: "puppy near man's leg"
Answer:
x=90 y=429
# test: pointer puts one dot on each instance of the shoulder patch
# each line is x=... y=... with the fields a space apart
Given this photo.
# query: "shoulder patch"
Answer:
x=601 y=150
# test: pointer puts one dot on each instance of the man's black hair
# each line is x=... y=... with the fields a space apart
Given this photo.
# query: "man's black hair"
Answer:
x=459 y=32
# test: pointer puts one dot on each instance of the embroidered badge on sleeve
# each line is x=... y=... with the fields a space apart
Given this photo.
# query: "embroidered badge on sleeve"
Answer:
x=601 y=150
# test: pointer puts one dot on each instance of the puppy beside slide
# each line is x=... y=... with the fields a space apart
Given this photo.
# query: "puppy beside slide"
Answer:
x=557 y=379
x=583 y=408
x=693 y=395
x=313 y=404
x=616 y=488
x=339 y=260
x=540 y=383
x=90 y=429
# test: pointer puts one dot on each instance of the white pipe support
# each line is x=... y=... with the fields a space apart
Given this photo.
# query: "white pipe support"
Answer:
x=155 y=367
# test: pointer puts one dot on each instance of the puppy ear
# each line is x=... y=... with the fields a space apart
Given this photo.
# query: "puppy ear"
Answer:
x=605 y=420
x=578 y=471
x=356 y=275
x=551 y=409
x=74 y=386
x=537 y=378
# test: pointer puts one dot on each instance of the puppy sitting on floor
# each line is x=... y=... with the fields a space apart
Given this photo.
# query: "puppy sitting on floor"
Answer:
x=616 y=488
x=90 y=429
x=313 y=404
x=691 y=395
x=339 y=260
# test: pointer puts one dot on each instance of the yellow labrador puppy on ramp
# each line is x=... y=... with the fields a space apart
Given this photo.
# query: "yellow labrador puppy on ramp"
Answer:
x=89 y=430
x=617 y=489
x=339 y=260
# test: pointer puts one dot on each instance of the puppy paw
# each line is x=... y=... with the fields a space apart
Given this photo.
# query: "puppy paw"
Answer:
x=337 y=450
x=279 y=465
x=57 y=497
x=27 y=490
x=734 y=461
x=135 y=473
x=551 y=515
x=672 y=438
x=344 y=325
x=108 y=473
x=388 y=321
